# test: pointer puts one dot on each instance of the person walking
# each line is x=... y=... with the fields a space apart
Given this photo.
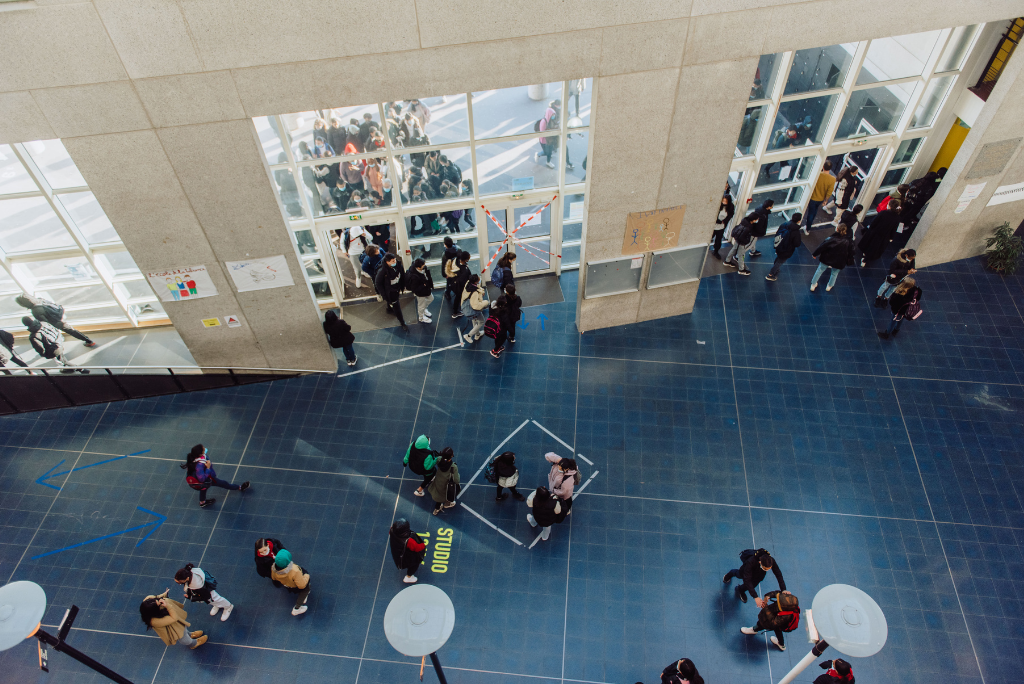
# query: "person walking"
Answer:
x=421 y=283
x=451 y=253
x=292 y=576
x=787 y=239
x=388 y=282
x=339 y=335
x=513 y=311
x=407 y=549
x=823 y=188
x=754 y=566
x=169 y=620
x=422 y=461
x=201 y=587
x=837 y=671
x=548 y=510
x=371 y=260
x=444 y=486
x=781 y=613
x=495 y=326
x=354 y=241
x=200 y=475
x=759 y=228
x=7 y=353
x=507 y=475
x=563 y=476
x=49 y=343
x=851 y=217
x=45 y=311
x=845 y=188
x=460 y=275
x=501 y=275
x=726 y=210
x=266 y=549
x=683 y=671
x=474 y=304
x=742 y=236
x=835 y=253
x=880 y=233
x=900 y=267
x=905 y=301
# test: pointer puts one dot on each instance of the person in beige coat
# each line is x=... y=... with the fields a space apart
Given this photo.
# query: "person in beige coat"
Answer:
x=293 y=576
x=169 y=620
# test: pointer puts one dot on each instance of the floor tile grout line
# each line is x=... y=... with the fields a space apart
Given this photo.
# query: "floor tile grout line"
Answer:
x=57 y=495
x=220 y=509
x=161 y=662
x=568 y=553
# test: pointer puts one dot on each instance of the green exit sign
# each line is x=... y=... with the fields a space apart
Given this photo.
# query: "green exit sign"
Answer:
x=355 y=217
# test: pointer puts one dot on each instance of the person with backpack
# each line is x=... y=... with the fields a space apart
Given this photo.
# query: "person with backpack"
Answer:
x=502 y=273
x=266 y=549
x=683 y=670
x=851 y=218
x=292 y=576
x=444 y=486
x=339 y=335
x=421 y=460
x=513 y=311
x=451 y=252
x=48 y=343
x=407 y=549
x=169 y=620
x=726 y=210
x=200 y=475
x=548 y=510
x=494 y=326
x=781 y=613
x=904 y=303
x=835 y=253
x=7 y=353
x=421 y=283
x=754 y=566
x=389 y=282
x=549 y=121
x=563 y=476
x=837 y=671
x=45 y=311
x=371 y=260
x=900 y=267
x=759 y=228
x=880 y=233
x=787 y=239
x=742 y=236
x=458 y=272
x=474 y=304
x=201 y=587
x=506 y=476
x=354 y=241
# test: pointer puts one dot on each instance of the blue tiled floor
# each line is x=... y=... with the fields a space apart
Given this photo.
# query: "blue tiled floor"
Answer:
x=770 y=416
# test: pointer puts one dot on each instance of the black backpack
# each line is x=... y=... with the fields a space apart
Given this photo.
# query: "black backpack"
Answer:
x=53 y=311
x=749 y=553
x=211 y=581
x=7 y=339
x=536 y=125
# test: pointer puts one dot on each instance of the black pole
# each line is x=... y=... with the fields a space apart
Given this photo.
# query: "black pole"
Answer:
x=437 y=668
x=59 y=645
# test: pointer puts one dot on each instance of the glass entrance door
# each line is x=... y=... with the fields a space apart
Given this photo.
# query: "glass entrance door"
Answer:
x=532 y=228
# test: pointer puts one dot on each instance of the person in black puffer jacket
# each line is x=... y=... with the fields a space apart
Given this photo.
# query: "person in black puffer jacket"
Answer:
x=835 y=253
x=906 y=292
x=741 y=238
x=339 y=334
x=760 y=228
x=508 y=476
x=682 y=670
x=787 y=239
x=781 y=614
x=266 y=549
x=513 y=311
x=900 y=267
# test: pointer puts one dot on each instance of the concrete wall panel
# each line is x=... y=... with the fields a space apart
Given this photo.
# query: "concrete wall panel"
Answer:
x=642 y=47
x=150 y=36
x=92 y=109
x=21 y=119
x=190 y=99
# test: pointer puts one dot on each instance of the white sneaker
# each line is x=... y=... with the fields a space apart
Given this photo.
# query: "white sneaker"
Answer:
x=469 y=340
x=550 y=165
x=814 y=286
x=419 y=492
x=300 y=610
x=747 y=630
x=227 y=612
x=828 y=288
x=478 y=336
x=425 y=320
x=410 y=580
x=530 y=519
x=213 y=611
x=427 y=313
x=359 y=283
x=775 y=640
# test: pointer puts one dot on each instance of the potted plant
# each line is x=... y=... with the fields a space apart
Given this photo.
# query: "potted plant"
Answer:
x=1004 y=250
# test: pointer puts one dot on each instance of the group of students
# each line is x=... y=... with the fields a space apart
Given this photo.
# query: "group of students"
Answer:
x=45 y=328
x=169 y=619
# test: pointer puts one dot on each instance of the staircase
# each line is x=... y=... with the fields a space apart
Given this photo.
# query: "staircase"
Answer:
x=1007 y=44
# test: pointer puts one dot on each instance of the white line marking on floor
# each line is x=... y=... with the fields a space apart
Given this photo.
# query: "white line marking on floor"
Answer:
x=492 y=525
x=585 y=459
x=589 y=480
x=484 y=464
x=557 y=438
x=407 y=358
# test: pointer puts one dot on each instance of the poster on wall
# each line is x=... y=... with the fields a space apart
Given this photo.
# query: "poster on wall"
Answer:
x=182 y=284
x=647 y=231
x=1007 y=193
x=260 y=274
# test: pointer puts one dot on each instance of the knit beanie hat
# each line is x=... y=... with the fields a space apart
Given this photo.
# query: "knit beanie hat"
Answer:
x=282 y=559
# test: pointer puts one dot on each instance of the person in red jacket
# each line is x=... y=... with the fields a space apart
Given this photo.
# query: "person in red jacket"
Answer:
x=407 y=549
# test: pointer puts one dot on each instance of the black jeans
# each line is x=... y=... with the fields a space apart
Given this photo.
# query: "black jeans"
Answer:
x=395 y=307
x=777 y=265
x=742 y=588
x=778 y=633
x=411 y=570
x=717 y=238
x=303 y=595
x=426 y=480
x=514 y=491
x=61 y=325
x=499 y=341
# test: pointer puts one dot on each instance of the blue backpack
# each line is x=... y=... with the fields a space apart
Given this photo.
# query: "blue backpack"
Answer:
x=489 y=474
x=497 y=277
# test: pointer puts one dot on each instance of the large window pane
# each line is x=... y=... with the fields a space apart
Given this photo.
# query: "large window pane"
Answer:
x=801 y=122
x=782 y=196
x=897 y=57
x=894 y=176
x=89 y=217
x=29 y=224
x=820 y=68
x=288 y=192
x=572 y=217
x=875 y=110
x=13 y=176
x=512 y=111
x=765 y=76
x=533 y=256
x=135 y=289
x=439 y=175
x=571 y=256
x=44 y=274
x=118 y=263
x=931 y=101
x=345 y=130
x=907 y=150
x=537 y=222
x=516 y=165
x=442 y=119
x=576 y=155
x=957 y=48
x=55 y=163
x=107 y=314
x=93 y=295
x=785 y=171
x=449 y=222
x=266 y=128
x=577 y=101
x=433 y=250
x=750 y=130
x=494 y=233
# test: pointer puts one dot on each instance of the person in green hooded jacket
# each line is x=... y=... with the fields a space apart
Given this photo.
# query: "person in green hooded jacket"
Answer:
x=421 y=459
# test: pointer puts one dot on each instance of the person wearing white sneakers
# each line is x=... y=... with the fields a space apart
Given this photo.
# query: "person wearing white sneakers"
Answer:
x=780 y=614
x=407 y=549
x=474 y=304
x=201 y=587
x=292 y=576
x=421 y=283
x=836 y=252
x=169 y=620
x=548 y=510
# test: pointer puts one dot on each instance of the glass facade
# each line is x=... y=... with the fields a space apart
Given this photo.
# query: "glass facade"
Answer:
x=413 y=172
x=56 y=242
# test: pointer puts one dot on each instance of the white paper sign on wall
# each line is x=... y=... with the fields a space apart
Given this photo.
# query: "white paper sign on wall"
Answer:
x=265 y=273
x=182 y=284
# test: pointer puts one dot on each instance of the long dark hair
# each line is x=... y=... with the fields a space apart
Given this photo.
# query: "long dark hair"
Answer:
x=185 y=574
x=847 y=171
x=190 y=462
x=150 y=610
x=506 y=260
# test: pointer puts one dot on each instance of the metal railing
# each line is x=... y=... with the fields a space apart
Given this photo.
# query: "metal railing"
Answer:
x=1000 y=56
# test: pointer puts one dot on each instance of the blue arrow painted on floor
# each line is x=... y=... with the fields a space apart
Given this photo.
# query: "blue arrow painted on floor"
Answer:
x=156 y=524
x=522 y=324
x=50 y=474
x=542 y=318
